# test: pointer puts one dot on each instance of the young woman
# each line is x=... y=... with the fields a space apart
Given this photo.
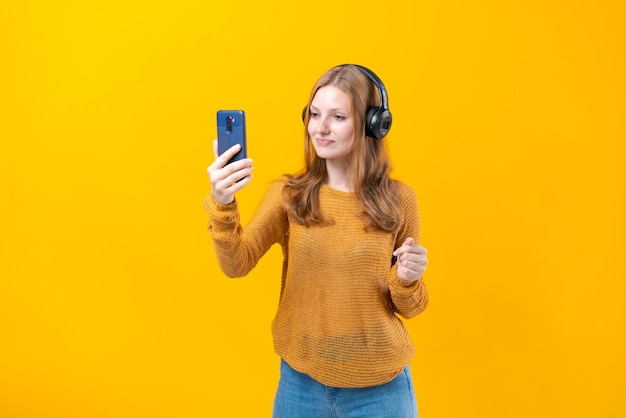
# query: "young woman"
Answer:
x=352 y=266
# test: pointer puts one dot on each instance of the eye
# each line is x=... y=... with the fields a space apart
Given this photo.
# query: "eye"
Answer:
x=340 y=117
x=313 y=114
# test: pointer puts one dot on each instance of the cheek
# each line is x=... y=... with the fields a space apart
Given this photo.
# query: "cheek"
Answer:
x=347 y=133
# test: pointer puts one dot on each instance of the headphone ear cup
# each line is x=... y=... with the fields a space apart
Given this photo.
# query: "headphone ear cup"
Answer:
x=371 y=120
x=377 y=122
x=383 y=124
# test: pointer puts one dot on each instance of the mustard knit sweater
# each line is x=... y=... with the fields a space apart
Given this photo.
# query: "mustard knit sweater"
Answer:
x=337 y=319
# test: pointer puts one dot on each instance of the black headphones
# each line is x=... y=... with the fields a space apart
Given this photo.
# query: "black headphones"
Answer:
x=377 y=119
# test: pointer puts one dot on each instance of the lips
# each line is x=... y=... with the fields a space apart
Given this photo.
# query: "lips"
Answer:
x=323 y=142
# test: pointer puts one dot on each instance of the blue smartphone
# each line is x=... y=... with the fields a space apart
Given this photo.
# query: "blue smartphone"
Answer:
x=231 y=130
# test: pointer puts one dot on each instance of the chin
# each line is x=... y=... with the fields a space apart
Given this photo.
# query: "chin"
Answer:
x=323 y=155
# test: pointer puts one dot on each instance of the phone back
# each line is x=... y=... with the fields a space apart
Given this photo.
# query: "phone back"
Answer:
x=231 y=130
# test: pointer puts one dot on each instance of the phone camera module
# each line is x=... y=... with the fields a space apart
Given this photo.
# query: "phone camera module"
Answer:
x=229 y=123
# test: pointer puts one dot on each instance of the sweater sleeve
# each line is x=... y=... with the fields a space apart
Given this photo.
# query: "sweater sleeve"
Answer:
x=238 y=249
x=409 y=298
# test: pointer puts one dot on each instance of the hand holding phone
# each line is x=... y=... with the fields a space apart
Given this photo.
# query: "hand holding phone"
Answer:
x=228 y=177
x=231 y=130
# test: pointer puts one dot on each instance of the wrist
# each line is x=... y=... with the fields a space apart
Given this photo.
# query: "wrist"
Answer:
x=223 y=200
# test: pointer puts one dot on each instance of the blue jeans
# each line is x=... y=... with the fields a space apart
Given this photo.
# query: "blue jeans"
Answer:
x=300 y=396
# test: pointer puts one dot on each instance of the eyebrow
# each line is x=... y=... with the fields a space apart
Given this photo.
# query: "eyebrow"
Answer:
x=333 y=110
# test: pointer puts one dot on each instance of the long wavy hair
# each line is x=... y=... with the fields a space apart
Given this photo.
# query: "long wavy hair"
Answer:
x=368 y=162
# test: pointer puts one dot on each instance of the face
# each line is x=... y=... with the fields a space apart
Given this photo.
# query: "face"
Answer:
x=331 y=125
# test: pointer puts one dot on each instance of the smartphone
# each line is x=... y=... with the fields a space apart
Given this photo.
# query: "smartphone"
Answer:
x=231 y=130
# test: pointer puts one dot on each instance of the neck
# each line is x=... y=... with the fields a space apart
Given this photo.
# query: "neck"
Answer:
x=338 y=178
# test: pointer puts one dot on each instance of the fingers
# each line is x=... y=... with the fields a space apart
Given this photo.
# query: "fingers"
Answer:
x=227 y=179
x=232 y=173
x=406 y=246
x=224 y=192
x=221 y=160
x=220 y=170
x=411 y=260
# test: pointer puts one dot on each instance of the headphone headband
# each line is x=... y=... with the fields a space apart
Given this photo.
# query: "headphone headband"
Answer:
x=384 y=103
x=377 y=119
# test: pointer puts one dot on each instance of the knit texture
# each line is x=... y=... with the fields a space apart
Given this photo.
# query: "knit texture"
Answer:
x=338 y=315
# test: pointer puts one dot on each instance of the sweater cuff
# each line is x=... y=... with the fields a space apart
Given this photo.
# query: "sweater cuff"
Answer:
x=407 y=283
x=221 y=215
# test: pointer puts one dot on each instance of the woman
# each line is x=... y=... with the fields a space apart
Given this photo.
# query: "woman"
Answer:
x=351 y=266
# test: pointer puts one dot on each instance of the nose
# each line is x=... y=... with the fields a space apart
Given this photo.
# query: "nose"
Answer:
x=323 y=126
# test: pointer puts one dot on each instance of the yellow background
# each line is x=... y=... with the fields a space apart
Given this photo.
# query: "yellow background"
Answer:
x=509 y=122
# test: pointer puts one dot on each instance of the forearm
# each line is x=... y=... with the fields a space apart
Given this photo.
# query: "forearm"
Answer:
x=233 y=256
x=239 y=249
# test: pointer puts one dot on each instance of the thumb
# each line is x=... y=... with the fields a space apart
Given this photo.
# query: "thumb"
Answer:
x=409 y=242
x=215 y=148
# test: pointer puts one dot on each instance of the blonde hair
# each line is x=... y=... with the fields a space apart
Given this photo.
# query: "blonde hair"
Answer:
x=368 y=162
